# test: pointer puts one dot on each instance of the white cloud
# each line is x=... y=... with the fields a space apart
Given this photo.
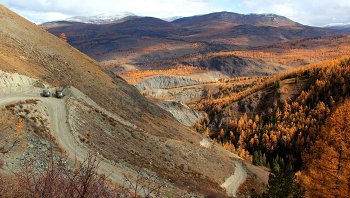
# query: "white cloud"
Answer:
x=40 y=17
x=37 y=9
x=310 y=12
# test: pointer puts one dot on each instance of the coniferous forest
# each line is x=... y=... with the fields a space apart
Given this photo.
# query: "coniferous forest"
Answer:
x=305 y=135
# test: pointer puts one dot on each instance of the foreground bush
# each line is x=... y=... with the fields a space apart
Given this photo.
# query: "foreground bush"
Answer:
x=58 y=179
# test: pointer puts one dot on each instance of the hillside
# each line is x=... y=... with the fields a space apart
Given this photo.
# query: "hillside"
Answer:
x=283 y=124
x=234 y=19
x=263 y=60
x=150 y=43
x=101 y=114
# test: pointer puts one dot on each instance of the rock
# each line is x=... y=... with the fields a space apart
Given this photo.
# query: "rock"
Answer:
x=165 y=82
x=181 y=112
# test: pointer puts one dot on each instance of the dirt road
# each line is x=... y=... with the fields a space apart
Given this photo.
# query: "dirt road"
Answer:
x=58 y=120
x=234 y=181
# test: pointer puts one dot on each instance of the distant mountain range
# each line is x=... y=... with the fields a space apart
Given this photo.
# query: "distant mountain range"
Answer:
x=251 y=19
x=338 y=26
x=145 y=39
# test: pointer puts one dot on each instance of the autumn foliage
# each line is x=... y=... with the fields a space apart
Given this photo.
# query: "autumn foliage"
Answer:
x=139 y=75
x=327 y=168
x=63 y=37
x=281 y=137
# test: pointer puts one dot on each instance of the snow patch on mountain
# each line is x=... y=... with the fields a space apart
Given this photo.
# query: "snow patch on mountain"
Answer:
x=337 y=26
x=171 y=19
x=103 y=18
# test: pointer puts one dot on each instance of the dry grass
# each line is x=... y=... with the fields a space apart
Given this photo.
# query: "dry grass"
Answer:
x=10 y=132
x=179 y=70
x=38 y=124
x=168 y=156
x=296 y=54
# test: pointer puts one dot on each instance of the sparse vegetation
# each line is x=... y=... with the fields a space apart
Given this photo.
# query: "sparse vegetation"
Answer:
x=295 y=54
x=59 y=180
x=144 y=184
x=11 y=129
x=179 y=70
x=2 y=163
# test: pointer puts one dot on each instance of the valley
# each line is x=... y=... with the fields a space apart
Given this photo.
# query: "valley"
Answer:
x=213 y=105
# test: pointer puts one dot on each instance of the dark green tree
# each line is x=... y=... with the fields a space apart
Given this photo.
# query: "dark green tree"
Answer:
x=282 y=185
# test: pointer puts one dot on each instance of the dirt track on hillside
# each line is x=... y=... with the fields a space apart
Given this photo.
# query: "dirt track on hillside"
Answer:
x=232 y=183
x=58 y=120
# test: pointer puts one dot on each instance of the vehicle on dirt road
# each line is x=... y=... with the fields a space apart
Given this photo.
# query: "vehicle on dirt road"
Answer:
x=59 y=93
x=46 y=93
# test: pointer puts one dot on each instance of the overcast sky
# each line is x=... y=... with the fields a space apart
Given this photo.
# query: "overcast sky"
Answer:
x=309 y=12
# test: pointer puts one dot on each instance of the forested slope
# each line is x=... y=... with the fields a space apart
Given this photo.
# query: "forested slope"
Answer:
x=281 y=124
x=327 y=168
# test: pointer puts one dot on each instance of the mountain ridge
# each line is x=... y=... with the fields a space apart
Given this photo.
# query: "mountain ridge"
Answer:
x=106 y=18
x=144 y=41
x=238 y=19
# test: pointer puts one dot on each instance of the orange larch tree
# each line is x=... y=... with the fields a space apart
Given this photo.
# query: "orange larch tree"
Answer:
x=63 y=37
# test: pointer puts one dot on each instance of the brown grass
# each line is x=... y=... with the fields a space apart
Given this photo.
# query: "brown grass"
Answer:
x=295 y=53
x=179 y=70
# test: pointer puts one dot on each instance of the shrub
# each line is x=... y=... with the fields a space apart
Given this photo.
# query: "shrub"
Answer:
x=1 y=163
x=58 y=180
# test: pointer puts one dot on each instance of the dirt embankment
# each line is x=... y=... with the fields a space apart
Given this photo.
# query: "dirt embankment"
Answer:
x=173 y=91
x=181 y=112
x=165 y=82
x=177 y=81
x=186 y=89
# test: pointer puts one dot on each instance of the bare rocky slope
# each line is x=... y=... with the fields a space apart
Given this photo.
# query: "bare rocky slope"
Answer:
x=165 y=82
x=151 y=138
x=181 y=112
